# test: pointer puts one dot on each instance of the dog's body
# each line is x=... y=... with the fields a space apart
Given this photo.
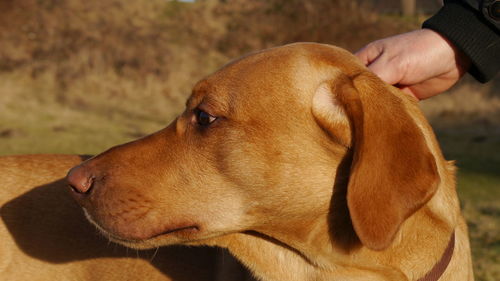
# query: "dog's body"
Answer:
x=45 y=236
x=296 y=159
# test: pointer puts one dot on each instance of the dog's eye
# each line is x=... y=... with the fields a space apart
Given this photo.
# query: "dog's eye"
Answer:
x=203 y=118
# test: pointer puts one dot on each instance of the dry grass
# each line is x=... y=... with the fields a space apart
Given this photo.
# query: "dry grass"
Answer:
x=108 y=50
x=138 y=61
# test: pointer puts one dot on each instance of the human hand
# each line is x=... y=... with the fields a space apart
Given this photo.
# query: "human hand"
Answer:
x=422 y=62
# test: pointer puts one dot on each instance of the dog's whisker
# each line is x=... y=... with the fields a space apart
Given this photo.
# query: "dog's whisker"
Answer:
x=154 y=254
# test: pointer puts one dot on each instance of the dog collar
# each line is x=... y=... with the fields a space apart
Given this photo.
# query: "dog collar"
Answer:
x=435 y=273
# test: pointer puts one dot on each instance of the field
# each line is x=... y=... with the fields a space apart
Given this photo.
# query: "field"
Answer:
x=117 y=72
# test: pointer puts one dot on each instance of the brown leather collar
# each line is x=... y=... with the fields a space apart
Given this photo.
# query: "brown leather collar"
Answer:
x=435 y=273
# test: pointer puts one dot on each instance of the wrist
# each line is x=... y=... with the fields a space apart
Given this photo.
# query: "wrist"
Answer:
x=449 y=53
x=472 y=34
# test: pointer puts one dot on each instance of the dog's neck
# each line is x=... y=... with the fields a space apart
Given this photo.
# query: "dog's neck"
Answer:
x=294 y=252
x=314 y=257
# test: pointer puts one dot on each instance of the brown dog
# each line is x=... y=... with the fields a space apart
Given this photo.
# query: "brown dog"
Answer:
x=300 y=162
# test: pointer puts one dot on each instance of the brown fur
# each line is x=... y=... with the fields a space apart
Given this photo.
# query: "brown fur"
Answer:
x=314 y=170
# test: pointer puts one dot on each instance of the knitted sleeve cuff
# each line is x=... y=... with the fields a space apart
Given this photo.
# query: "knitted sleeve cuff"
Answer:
x=472 y=34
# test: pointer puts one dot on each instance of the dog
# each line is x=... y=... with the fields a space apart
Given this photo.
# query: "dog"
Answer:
x=297 y=159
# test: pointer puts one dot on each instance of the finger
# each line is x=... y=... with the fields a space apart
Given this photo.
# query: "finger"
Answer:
x=369 y=53
x=387 y=71
x=426 y=90
x=409 y=91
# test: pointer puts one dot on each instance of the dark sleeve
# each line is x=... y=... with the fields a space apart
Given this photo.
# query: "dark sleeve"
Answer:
x=473 y=27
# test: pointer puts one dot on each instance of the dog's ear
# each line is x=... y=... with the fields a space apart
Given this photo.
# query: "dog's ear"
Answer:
x=393 y=172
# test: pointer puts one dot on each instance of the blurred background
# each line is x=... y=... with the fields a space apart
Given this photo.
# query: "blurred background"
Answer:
x=79 y=76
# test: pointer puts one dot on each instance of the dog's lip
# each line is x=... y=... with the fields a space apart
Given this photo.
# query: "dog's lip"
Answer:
x=185 y=230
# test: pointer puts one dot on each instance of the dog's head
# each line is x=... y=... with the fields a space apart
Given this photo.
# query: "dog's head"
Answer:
x=259 y=147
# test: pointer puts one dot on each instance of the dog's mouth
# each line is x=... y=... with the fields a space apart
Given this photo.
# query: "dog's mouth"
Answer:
x=185 y=229
x=182 y=233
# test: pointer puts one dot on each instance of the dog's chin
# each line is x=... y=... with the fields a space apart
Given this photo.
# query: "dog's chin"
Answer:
x=180 y=235
x=135 y=244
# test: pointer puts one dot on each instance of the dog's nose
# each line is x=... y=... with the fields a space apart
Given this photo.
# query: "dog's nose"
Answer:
x=80 y=179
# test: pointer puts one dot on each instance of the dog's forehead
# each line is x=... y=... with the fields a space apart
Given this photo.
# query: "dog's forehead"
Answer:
x=263 y=76
x=274 y=78
x=253 y=70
